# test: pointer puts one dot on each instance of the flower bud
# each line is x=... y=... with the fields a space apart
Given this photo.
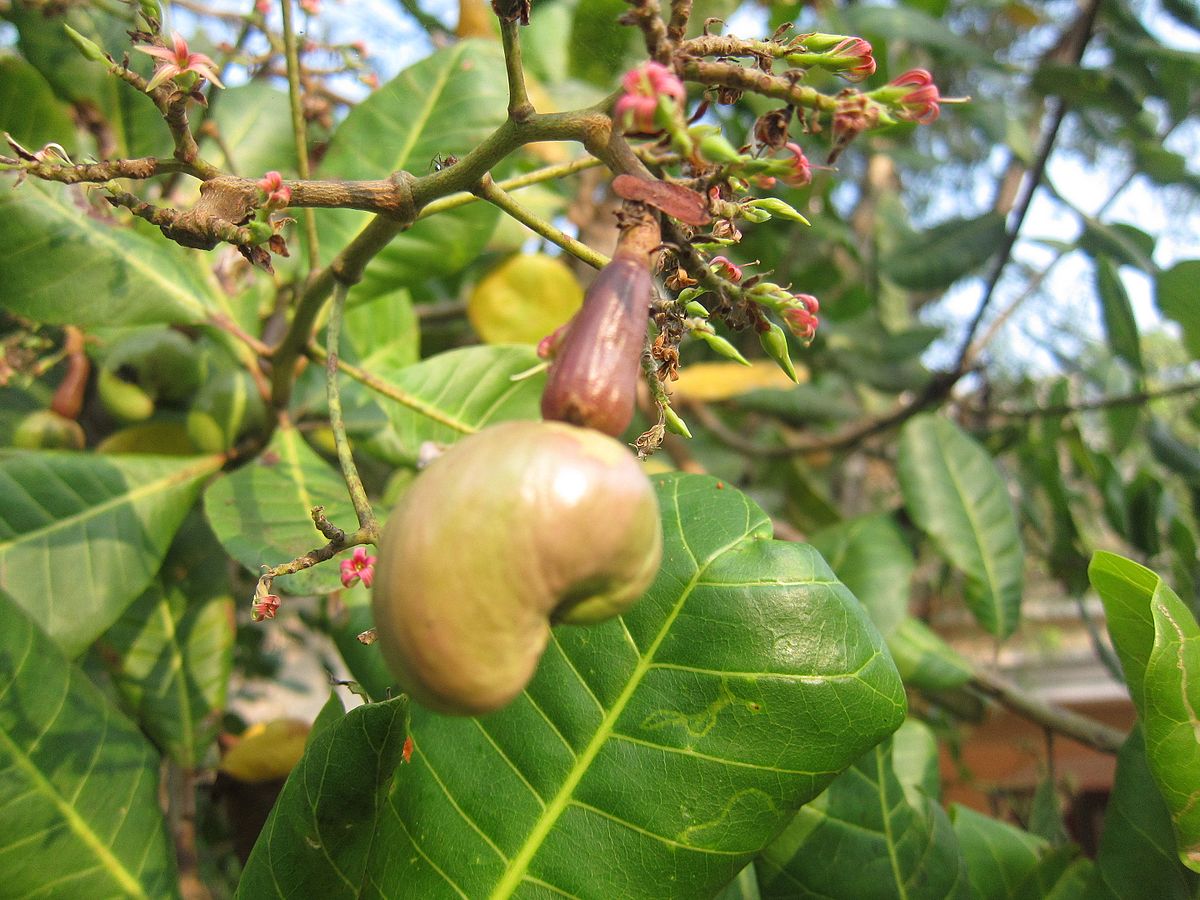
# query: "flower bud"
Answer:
x=774 y=343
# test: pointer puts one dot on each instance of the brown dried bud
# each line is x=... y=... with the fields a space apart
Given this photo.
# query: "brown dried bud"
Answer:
x=771 y=129
x=513 y=10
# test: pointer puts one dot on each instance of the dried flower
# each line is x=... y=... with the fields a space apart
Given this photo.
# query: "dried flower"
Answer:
x=635 y=110
x=723 y=267
x=266 y=607
x=359 y=566
x=178 y=61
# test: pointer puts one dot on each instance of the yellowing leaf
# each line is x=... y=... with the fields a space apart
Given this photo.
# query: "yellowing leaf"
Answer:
x=524 y=299
x=722 y=380
x=267 y=751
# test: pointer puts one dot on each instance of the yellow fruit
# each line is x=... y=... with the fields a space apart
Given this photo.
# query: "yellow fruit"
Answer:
x=524 y=299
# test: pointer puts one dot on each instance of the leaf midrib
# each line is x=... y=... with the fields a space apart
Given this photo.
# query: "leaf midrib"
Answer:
x=517 y=867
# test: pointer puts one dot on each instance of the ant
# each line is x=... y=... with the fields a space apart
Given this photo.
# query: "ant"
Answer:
x=440 y=162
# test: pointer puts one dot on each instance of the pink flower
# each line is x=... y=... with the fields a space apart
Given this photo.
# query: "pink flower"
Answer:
x=312 y=7
x=723 y=267
x=178 y=61
x=801 y=173
x=263 y=6
x=921 y=105
x=359 y=566
x=852 y=59
x=801 y=316
x=276 y=193
x=266 y=607
x=643 y=86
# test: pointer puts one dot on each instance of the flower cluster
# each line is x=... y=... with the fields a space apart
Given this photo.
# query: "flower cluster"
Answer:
x=644 y=85
x=276 y=194
x=359 y=567
x=178 y=61
x=800 y=316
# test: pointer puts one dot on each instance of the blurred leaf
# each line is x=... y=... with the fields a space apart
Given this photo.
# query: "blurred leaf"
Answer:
x=916 y=762
x=255 y=123
x=1158 y=642
x=268 y=751
x=1137 y=856
x=935 y=259
x=446 y=104
x=1061 y=874
x=897 y=23
x=1177 y=455
x=1175 y=296
x=171 y=652
x=1143 y=498
x=82 y=535
x=956 y=495
x=1088 y=88
x=743 y=887
x=524 y=299
x=61 y=266
x=999 y=856
x=1122 y=244
x=600 y=46
x=80 y=786
x=457 y=393
x=864 y=837
x=261 y=512
x=924 y=660
x=870 y=557
x=615 y=712
x=29 y=111
x=1119 y=323
x=709 y=382
x=1045 y=814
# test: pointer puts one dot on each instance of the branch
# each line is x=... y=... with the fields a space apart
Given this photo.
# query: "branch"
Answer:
x=358 y=494
x=491 y=192
x=1087 y=731
x=1137 y=398
x=519 y=106
x=719 y=74
x=299 y=129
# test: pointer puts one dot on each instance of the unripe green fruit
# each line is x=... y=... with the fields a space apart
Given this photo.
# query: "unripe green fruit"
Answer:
x=227 y=408
x=162 y=362
x=511 y=530
x=123 y=399
x=47 y=430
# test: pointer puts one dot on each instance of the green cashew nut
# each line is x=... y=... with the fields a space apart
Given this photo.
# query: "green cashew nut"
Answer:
x=513 y=529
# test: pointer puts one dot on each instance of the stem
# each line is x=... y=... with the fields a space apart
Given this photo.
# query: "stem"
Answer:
x=537 y=176
x=299 y=128
x=1087 y=731
x=181 y=814
x=358 y=494
x=519 y=106
x=492 y=193
x=1137 y=398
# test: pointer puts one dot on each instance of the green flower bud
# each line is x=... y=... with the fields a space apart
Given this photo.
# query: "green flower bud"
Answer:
x=722 y=347
x=776 y=207
x=674 y=423
x=88 y=48
x=774 y=343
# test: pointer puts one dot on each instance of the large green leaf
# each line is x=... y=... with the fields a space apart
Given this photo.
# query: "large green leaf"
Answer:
x=1158 y=642
x=955 y=494
x=29 y=111
x=255 y=127
x=82 y=535
x=457 y=393
x=868 y=835
x=1175 y=295
x=924 y=659
x=443 y=105
x=870 y=557
x=78 y=782
x=651 y=756
x=999 y=856
x=171 y=652
x=261 y=512
x=1137 y=856
x=935 y=259
x=63 y=266
x=1119 y=323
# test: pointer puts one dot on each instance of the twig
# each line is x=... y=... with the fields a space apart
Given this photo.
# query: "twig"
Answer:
x=1137 y=398
x=537 y=176
x=299 y=128
x=492 y=193
x=358 y=494
x=519 y=106
x=1087 y=731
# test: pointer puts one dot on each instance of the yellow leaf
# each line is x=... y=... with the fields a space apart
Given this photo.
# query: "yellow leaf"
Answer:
x=524 y=299
x=475 y=20
x=267 y=751
x=712 y=381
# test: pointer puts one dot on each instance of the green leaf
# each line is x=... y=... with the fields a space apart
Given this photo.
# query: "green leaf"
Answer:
x=870 y=557
x=171 y=652
x=895 y=23
x=999 y=856
x=1137 y=855
x=446 y=104
x=601 y=47
x=1119 y=323
x=1124 y=244
x=61 y=266
x=743 y=887
x=1158 y=642
x=29 y=111
x=743 y=729
x=255 y=125
x=924 y=660
x=457 y=393
x=261 y=512
x=866 y=836
x=955 y=494
x=935 y=259
x=1178 y=455
x=82 y=535
x=1175 y=296
x=80 y=785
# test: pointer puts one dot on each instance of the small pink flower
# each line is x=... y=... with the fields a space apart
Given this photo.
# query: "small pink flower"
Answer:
x=801 y=173
x=801 y=317
x=921 y=105
x=852 y=59
x=277 y=194
x=266 y=607
x=178 y=61
x=359 y=566
x=725 y=268
x=263 y=6
x=312 y=7
x=643 y=86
